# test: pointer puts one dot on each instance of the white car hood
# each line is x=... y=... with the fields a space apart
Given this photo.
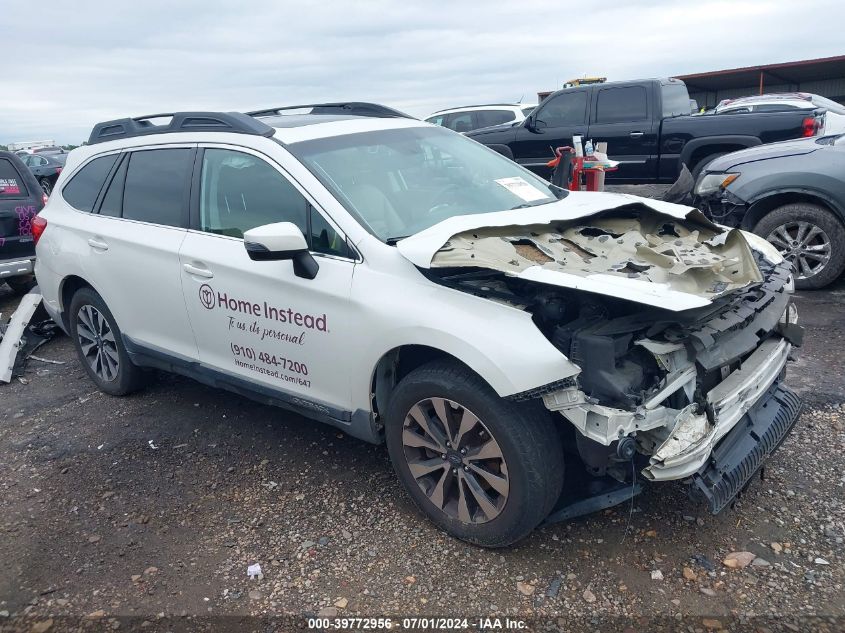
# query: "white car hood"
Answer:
x=651 y=252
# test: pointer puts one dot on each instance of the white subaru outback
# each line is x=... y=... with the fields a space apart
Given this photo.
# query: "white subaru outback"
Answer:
x=406 y=284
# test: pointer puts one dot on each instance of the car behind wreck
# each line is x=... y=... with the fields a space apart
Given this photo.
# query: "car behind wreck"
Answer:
x=526 y=353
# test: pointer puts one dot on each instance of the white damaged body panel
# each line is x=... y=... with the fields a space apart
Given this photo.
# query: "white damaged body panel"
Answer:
x=653 y=253
x=679 y=327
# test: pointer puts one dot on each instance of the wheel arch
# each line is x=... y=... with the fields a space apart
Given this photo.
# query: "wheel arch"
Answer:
x=397 y=363
x=698 y=149
x=67 y=288
x=762 y=204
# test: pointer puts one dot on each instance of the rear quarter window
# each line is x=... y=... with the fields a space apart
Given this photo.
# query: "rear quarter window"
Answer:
x=11 y=183
x=84 y=187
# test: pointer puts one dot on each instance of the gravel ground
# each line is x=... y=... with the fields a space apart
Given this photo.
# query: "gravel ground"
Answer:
x=147 y=511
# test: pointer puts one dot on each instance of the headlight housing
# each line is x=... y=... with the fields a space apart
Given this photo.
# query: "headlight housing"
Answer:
x=712 y=183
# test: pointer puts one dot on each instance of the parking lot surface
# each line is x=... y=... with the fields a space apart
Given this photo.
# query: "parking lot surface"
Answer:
x=155 y=505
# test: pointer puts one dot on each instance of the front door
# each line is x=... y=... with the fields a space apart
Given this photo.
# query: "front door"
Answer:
x=256 y=320
x=553 y=124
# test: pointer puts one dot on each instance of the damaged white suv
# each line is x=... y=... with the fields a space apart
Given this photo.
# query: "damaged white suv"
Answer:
x=524 y=351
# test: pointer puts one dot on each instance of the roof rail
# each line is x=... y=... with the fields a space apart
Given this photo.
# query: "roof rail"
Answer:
x=235 y=122
x=354 y=108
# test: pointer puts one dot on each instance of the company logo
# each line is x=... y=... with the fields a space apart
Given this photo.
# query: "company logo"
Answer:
x=207 y=298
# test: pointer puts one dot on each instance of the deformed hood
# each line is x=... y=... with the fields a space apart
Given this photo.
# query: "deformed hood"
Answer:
x=647 y=251
x=797 y=147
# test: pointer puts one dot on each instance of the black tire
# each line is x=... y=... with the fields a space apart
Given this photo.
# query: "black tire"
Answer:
x=46 y=185
x=21 y=285
x=699 y=167
x=127 y=377
x=525 y=433
x=833 y=232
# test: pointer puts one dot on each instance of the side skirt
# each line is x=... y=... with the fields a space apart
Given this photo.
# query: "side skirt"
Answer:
x=358 y=424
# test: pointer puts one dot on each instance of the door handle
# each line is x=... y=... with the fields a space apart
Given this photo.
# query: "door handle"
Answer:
x=100 y=245
x=636 y=134
x=199 y=272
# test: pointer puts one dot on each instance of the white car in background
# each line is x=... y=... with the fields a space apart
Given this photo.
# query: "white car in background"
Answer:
x=834 y=119
x=476 y=117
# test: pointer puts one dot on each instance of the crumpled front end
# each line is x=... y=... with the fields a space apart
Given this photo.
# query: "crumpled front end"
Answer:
x=720 y=383
x=681 y=330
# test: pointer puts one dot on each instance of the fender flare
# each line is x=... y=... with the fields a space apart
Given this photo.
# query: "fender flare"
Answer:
x=742 y=140
x=829 y=200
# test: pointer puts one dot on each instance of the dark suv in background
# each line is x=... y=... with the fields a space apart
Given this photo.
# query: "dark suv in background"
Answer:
x=21 y=198
x=792 y=194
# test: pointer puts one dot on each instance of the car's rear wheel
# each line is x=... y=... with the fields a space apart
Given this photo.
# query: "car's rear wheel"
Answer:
x=483 y=468
x=21 y=285
x=46 y=185
x=99 y=345
x=809 y=236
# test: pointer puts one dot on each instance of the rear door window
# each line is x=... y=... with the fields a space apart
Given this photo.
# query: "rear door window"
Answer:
x=11 y=183
x=486 y=118
x=156 y=184
x=461 y=122
x=618 y=105
x=84 y=187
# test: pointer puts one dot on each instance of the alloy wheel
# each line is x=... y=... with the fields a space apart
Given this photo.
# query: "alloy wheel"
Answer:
x=804 y=244
x=97 y=342
x=455 y=460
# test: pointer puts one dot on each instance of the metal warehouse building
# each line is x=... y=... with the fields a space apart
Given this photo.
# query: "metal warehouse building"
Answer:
x=824 y=76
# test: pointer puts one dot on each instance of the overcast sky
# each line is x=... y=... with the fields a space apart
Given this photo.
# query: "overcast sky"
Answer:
x=78 y=62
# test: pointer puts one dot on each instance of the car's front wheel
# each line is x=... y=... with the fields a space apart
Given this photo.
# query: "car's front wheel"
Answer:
x=99 y=345
x=809 y=236
x=46 y=185
x=483 y=468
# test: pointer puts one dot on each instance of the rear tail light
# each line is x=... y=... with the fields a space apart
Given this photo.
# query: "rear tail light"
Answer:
x=58 y=170
x=44 y=199
x=39 y=224
x=809 y=126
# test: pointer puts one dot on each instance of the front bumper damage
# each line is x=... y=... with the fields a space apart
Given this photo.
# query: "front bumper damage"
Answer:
x=728 y=368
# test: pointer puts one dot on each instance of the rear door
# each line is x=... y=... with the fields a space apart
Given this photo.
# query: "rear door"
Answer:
x=20 y=200
x=131 y=241
x=553 y=124
x=624 y=117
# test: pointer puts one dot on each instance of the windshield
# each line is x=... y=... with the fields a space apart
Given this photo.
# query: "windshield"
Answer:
x=401 y=181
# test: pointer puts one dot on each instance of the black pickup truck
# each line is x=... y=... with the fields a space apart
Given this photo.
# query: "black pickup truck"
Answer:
x=648 y=128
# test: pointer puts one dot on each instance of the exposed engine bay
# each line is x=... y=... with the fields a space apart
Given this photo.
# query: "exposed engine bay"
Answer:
x=662 y=383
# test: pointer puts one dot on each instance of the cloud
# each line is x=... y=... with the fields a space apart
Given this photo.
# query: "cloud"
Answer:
x=93 y=61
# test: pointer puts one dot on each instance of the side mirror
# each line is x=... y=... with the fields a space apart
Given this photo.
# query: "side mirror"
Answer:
x=280 y=241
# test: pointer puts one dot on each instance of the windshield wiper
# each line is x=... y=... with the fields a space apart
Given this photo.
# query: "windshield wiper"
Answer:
x=535 y=203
